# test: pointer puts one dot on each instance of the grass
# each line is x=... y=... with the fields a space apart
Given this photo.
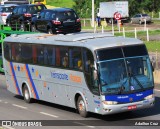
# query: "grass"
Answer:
x=61 y=3
x=139 y=33
x=153 y=46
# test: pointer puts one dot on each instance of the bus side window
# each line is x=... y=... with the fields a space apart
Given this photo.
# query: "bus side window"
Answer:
x=49 y=55
x=7 y=51
x=34 y=54
x=40 y=54
x=57 y=56
x=16 y=52
x=75 y=58
x=26 y=55
x=88 y=62
x=64 y=56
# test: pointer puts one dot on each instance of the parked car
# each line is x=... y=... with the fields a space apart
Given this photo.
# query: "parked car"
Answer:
x=5 y=10
x=21 y=16
x=140 y=18
x=58 y=20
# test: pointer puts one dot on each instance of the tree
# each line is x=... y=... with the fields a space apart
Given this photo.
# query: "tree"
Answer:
x=84 y=7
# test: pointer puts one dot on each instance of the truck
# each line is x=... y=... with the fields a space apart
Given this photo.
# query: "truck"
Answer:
x=108 y=9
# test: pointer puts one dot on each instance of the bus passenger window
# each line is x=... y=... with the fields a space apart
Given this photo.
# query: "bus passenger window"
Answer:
x=26 y=55
x=49 y=55
x=34 y=54
x=40 y=54
x=75 y=59
x=16 y=52
x=57 y=56
x=65 y=60
x=7 y=51
x=64 y=56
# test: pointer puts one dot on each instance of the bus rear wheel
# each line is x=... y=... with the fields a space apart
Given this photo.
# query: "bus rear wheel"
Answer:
x=26 y=95
x=81 y=106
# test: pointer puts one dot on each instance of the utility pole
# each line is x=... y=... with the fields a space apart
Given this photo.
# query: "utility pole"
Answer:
x=93 y=13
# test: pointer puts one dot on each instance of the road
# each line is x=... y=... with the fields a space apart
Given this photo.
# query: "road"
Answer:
x=14 y=108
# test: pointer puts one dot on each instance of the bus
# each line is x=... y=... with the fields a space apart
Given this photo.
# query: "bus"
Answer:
x=39 y=1
x=14 y=2
x=90 y=72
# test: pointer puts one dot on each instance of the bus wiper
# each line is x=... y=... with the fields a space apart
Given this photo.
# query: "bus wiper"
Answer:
x=135 y=78
x=122 y=87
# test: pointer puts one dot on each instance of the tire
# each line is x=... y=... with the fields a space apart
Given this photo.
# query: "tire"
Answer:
x=22 y=27
x=81 y=106
x=33 y=28
x=50 y=31
x=26 y=95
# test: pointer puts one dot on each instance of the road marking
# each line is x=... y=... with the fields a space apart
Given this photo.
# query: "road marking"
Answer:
x=5 y=102
x=7 y=127
x=84 y=125
x=49 y=114
x=0 y=100
x=156 y=90
x=19 y=106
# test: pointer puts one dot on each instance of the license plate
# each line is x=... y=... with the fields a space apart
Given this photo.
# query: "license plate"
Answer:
x=132 y=107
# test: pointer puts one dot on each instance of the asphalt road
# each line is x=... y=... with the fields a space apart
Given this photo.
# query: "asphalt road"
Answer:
x=14 y=108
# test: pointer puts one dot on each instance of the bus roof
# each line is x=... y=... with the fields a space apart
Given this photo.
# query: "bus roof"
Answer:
x=89 y=40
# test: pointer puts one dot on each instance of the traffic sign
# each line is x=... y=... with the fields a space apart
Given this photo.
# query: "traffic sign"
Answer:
x=117 y=16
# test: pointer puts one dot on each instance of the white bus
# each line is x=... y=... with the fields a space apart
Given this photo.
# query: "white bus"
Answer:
x=96 y=73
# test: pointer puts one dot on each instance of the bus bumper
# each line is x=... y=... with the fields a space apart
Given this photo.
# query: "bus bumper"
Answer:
x=112 y=109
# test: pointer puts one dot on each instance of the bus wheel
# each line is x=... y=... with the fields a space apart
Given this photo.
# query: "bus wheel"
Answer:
x=26 y=94
x=81 y=107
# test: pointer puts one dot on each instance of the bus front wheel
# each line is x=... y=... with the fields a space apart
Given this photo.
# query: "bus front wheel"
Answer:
x=26 y=94
x=81 y=106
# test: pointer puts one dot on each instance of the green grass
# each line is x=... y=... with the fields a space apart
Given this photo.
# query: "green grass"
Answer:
x=139 y=33
x=61 y=3
x=153 y=46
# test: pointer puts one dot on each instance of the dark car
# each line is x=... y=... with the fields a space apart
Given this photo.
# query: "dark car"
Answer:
x=21 y=16
x=58 y=20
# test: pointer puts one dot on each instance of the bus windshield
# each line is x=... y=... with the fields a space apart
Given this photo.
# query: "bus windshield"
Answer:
x=122 y=71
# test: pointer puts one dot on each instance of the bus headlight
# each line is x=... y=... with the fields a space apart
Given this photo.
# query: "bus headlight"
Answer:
x=110 y=102
x=149 y=96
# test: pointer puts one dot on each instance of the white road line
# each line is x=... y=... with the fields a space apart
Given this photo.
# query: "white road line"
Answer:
x=0 y=100
x=5 y=102
x=84 y=125
x=49 y=114
x=19 y=106
x=7 y=127
x=156 y=90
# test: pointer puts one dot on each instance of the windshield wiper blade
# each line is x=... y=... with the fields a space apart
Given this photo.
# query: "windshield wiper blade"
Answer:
x=122 y=87
x=135 y=78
